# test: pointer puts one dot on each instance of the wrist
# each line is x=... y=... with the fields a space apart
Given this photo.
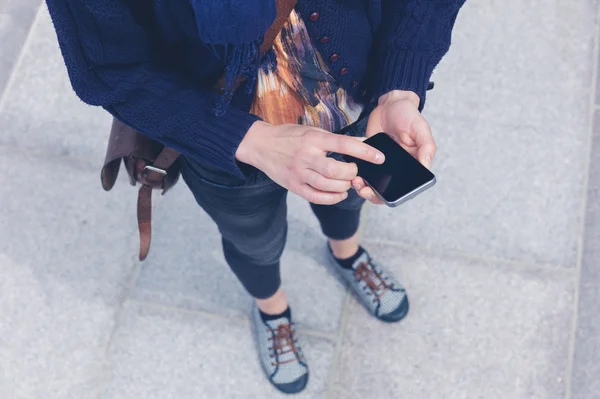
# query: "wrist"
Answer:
x=248 y=150
x=397 y=95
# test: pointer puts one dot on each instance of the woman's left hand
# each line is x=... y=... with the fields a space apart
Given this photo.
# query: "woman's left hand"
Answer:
x=397 y=114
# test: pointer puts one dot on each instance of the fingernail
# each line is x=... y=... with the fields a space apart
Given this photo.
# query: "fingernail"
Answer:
x=345 y=195
x=379 y=157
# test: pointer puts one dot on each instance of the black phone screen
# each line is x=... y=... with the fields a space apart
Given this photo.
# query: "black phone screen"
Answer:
x=399 y=175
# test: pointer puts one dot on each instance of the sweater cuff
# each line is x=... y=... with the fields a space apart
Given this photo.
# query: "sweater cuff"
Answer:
x=402 y=70
x=226 y=135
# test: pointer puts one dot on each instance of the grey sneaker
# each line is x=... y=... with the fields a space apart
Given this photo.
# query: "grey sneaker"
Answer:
x=280 y=355
x=376 y=289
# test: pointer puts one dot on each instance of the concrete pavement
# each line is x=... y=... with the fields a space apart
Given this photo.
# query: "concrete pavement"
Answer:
x=500 y=259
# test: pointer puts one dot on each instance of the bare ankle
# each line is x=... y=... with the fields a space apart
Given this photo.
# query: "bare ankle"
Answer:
x=344 y=249
x=276 y=304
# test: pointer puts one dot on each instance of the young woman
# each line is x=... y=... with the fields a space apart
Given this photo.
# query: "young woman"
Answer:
x=359 y=65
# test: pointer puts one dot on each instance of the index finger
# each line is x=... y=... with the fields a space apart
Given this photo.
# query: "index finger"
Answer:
x=353 y=147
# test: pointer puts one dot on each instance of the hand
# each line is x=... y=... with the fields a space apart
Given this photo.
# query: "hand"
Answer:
x=295 y=157
x=397 y=114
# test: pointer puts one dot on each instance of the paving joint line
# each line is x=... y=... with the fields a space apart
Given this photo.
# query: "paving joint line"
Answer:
x=118 y=319
x=233 y=318
x=593 y=107
x=136 y=270
x=8 y=86
x=337 y=352
x=24 y=46
x=428 y=250
x=343 y=324
x=129 y=288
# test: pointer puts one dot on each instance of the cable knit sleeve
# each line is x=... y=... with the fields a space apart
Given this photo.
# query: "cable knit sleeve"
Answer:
x=413 y=37
x=107 y=57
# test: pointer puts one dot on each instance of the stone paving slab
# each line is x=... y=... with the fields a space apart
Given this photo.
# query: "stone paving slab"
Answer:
x=16 y=17
x=65 y=263
x=510 y=113
x=510 y=116
x=19 y=6
x=586 y=383
x=476 y=329
x=163 y=354
x=186 y=267
x=518 y=62
x=40 y=109
x=496 y=195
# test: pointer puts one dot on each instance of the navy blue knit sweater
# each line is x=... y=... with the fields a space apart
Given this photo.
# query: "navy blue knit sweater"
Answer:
x=144 y=62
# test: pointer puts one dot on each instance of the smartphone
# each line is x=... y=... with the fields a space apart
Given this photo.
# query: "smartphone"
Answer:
x=400 y=178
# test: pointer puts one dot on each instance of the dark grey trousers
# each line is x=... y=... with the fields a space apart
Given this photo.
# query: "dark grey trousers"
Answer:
x=252 y=218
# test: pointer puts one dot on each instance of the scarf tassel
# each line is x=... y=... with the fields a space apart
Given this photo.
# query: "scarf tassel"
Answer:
x=243 y=62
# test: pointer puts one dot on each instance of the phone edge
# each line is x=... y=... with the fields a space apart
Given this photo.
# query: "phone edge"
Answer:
x=410 y=195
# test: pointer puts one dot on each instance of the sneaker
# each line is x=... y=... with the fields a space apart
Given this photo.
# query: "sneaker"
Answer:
x=280 y=355
x=376 y=289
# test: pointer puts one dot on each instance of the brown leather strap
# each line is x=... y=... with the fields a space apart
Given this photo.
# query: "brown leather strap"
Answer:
x=151 y=177
x=154 y=175
x=144 y=214
x=166 y=158
x=284 y=9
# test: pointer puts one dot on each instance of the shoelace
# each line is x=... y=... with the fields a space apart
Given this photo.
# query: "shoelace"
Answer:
x=376 y=283
x=283 y=337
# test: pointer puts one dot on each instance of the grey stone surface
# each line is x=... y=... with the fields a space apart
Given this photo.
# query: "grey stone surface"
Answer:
x=10 y=48
x=65 y=260
x=15 y=20
x=19 y=6
x=475 y=330
x=518 y=63
x=165 y=354
x=510 y=116
x=585 y=382
x=40 y=109
x=496 y=194
x=186 y=267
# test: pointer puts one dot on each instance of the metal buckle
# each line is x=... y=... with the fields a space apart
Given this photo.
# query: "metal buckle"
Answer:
x=153 y=176
x=154 y=169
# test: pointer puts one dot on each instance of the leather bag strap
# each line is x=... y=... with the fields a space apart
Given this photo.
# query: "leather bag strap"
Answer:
x=284 y=9
x=144 y=216
x=151 y=177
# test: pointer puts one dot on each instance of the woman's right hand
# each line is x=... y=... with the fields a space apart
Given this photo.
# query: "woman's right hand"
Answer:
x=295 y=157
